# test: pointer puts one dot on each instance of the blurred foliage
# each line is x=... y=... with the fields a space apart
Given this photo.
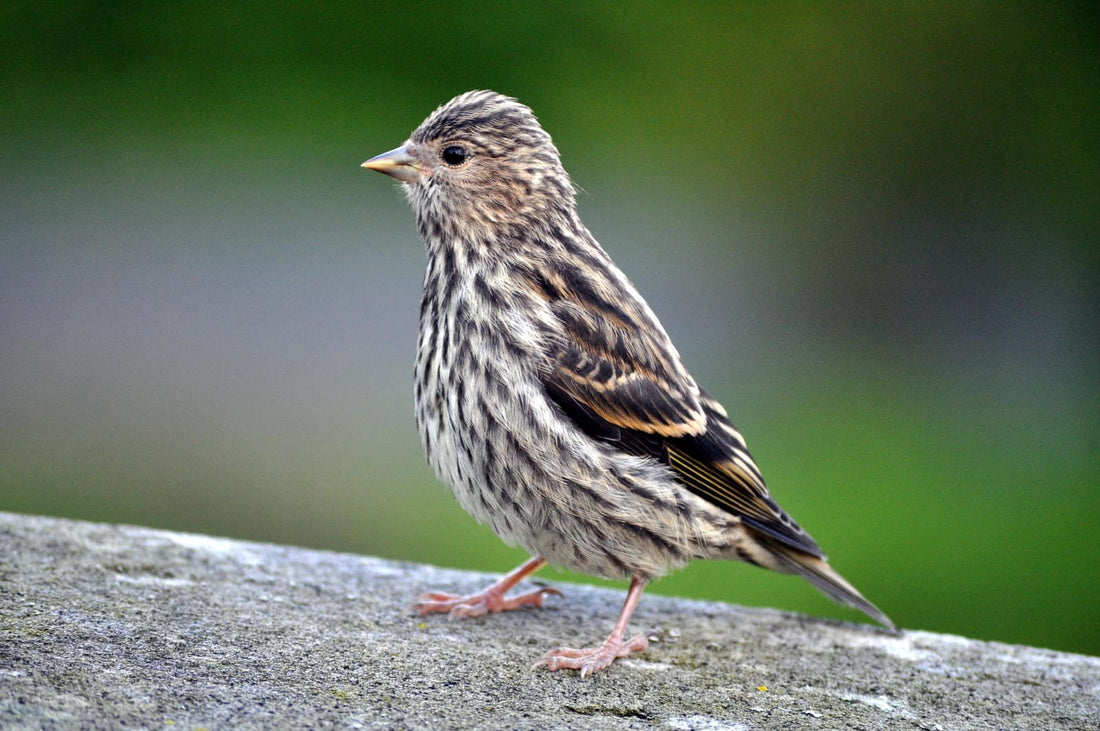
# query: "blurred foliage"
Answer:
x=871 y=228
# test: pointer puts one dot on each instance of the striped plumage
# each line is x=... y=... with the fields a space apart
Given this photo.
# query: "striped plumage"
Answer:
x=549 y=397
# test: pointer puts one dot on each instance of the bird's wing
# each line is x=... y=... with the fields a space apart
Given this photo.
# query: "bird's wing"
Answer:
x=617 y=376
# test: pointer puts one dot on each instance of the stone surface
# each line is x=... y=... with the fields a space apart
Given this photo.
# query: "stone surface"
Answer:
x=108 y=626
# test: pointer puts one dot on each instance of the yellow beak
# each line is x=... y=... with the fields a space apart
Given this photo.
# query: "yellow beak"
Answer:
x=399 y=163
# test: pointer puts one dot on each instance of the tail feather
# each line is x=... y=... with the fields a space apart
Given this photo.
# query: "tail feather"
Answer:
x=819 y=573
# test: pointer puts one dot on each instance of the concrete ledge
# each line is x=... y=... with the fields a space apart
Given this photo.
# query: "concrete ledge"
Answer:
x=108 y=625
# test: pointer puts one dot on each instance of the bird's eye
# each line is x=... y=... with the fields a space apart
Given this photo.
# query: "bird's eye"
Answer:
x=454 y=154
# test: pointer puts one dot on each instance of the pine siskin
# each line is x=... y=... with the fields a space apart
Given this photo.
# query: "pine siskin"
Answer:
x=548 y=396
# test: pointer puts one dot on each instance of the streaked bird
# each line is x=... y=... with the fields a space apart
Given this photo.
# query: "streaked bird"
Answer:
x=549 y=397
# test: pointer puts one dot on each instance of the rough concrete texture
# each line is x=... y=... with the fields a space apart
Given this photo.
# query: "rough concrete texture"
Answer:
x=109 y=626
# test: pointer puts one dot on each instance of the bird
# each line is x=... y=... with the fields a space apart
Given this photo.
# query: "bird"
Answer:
x=548 y=396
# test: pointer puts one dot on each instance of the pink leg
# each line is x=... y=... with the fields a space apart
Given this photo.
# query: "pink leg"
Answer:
x=591 y=659
x=490 y=600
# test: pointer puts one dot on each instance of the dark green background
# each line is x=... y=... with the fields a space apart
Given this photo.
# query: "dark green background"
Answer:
x=870 y=228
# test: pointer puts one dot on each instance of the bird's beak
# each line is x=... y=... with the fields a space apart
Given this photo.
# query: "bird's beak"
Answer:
x=399 y=163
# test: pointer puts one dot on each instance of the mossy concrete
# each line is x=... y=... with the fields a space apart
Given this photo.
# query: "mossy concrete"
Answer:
x=103 y=626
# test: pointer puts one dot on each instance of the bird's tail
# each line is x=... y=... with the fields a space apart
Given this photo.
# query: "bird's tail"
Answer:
x=819 y=573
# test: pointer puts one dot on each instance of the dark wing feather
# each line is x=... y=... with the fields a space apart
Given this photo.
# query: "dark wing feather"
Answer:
x=716 y=465
x=613 y=364
x=623 y=383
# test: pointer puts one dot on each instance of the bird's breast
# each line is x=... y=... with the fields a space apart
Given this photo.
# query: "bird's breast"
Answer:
x=476 y=389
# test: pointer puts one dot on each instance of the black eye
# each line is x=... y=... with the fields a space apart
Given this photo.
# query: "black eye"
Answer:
x=454 y=155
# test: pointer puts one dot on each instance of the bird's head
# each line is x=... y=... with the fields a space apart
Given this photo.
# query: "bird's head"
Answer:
x=478 y=166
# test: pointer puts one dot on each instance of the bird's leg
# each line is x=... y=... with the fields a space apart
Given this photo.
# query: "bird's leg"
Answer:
x=591 y=659
x=491 y=599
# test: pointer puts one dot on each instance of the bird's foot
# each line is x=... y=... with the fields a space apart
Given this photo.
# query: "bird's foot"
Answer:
x=476 y=605
x=592 y=659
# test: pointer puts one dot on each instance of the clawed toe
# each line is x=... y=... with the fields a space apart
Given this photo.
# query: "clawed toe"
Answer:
x=476 y=605
x=593 y=659
x=436 y=601
x=492 y=599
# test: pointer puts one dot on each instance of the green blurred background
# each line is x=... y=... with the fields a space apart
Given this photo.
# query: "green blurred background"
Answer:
x=872 y=230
